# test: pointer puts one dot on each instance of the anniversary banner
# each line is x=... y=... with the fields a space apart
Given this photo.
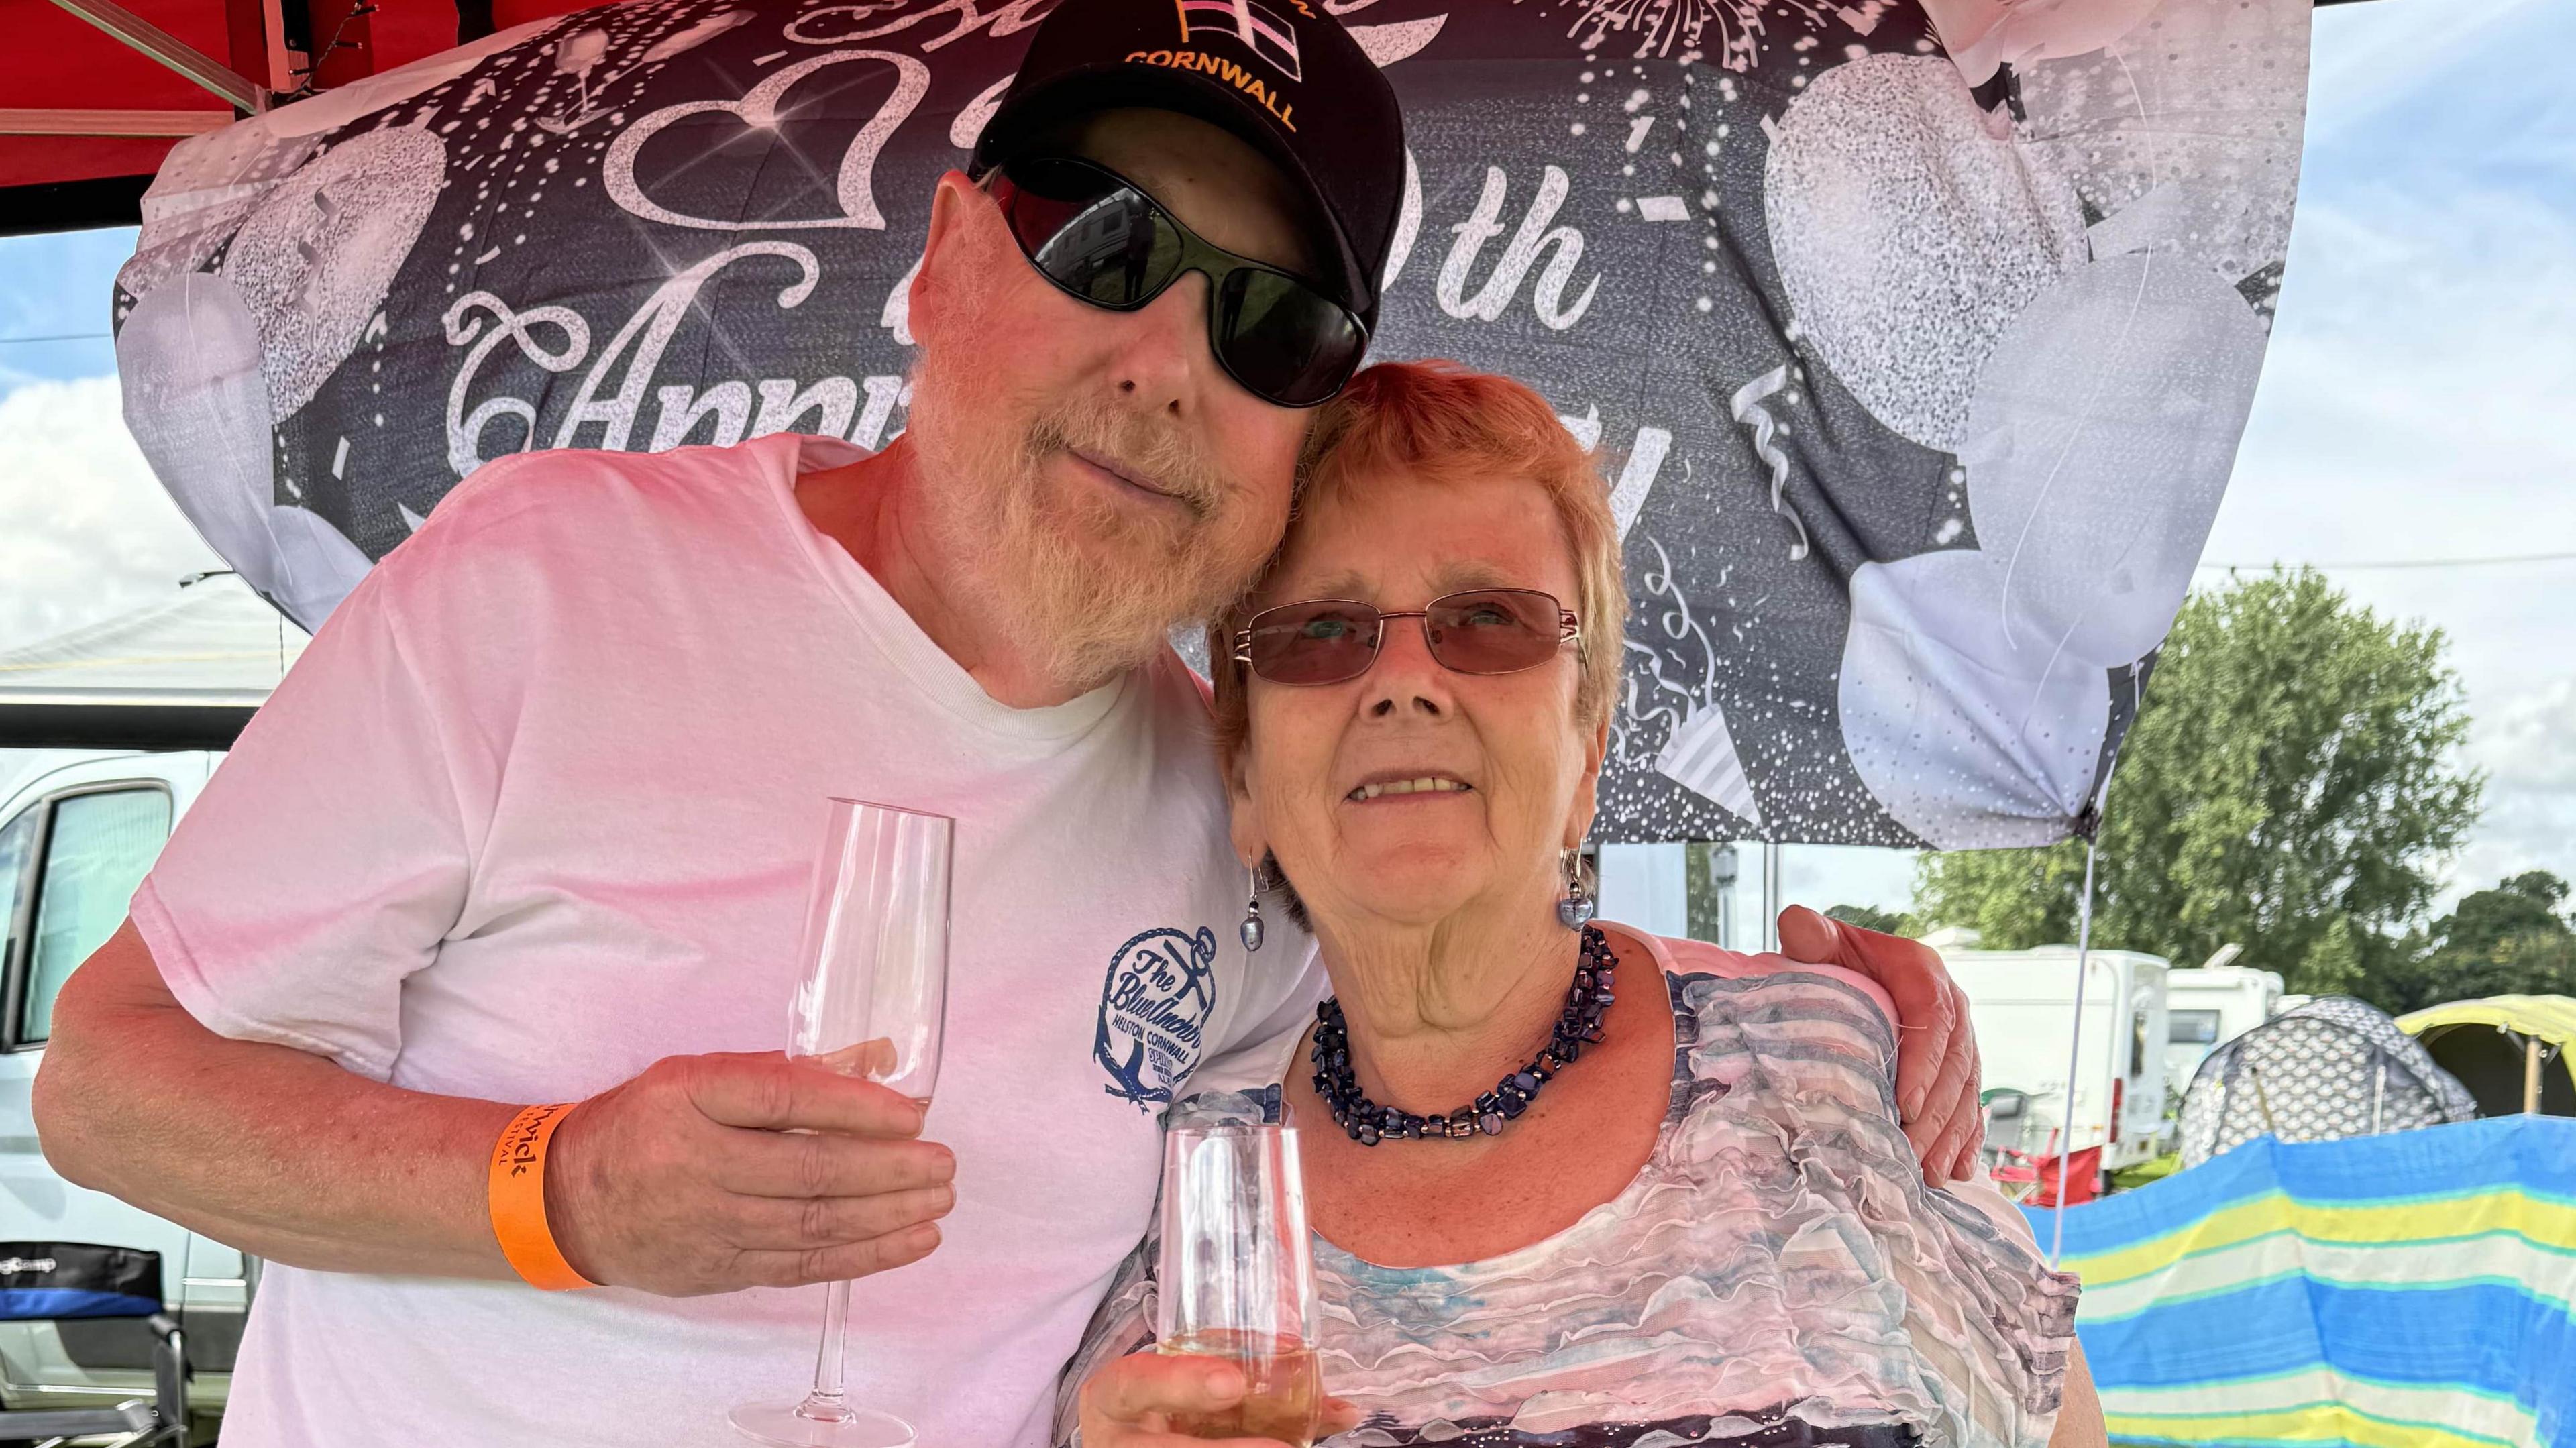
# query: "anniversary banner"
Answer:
x=1915 y=339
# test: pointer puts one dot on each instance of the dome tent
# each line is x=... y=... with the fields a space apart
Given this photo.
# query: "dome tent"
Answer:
x=2332 y=1068
x=2500 y=1048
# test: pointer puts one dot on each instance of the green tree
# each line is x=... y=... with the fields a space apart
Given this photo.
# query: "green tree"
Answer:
x=2287 y=785
x=2511 y=940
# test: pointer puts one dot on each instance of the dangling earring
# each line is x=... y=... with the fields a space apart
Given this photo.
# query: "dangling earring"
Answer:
x=1250 y=929
x=1575 y=910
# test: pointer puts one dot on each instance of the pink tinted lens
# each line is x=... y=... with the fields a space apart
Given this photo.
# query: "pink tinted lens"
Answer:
x=1493 y=631
x=1323 y=641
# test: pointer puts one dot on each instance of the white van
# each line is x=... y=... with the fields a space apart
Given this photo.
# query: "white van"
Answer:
x=2023 y=1005
x=2210 y=1006
x=74 y=842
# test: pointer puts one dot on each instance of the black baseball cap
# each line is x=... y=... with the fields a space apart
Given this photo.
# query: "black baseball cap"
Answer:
x=1280 y=74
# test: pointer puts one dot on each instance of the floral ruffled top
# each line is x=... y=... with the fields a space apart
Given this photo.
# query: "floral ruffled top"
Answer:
x=1777 y=1267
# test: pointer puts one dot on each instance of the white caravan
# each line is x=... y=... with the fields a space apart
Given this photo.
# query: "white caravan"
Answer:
x=77 y=833
x=2023 y=1006
x=74 y=842
x=2209 y=1007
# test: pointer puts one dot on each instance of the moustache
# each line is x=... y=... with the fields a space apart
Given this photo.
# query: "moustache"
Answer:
x=1161 y=459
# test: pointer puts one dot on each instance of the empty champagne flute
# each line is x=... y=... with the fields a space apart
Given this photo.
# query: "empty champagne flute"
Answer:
x=870 y=1003
x=1237 y=1277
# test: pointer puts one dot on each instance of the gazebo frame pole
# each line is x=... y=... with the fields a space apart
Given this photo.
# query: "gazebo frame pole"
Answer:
x=2531 y=1076
x=1771 y=895
x=255 y=32
x=170 y=50
x=112 y=123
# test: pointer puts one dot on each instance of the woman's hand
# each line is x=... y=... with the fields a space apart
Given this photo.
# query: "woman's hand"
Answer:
x=1936 y=1050
x=1130 y=1403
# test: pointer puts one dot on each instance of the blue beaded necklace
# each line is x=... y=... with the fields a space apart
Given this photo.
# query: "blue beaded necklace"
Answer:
x=1369 y=1123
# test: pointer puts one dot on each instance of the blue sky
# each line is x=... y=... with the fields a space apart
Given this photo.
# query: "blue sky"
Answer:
x=2416 y=404
x=53 y=286
x=84 y=531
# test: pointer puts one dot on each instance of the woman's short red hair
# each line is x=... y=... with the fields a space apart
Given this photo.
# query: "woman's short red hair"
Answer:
x=1435 y=422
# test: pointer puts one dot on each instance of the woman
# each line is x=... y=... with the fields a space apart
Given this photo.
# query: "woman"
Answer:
x=1572 y=1185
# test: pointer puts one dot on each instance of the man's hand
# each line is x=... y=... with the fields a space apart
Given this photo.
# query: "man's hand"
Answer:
x=1130 y=1402
x=712 y=1173
x=683 y=1180
x=1936 y=1051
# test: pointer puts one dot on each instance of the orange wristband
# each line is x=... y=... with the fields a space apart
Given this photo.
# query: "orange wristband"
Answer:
x=518 y=1197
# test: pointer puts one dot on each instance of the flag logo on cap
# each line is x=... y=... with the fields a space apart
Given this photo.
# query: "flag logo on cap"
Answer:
x=1262 y=30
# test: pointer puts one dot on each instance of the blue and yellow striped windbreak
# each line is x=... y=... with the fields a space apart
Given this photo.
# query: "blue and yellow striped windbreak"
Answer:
x=2413 y=1290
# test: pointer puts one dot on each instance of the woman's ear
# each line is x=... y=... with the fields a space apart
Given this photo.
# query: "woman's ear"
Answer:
x=1251 y=841
x=1587 y=790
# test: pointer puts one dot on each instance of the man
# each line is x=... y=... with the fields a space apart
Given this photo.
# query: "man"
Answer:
x=530 y=823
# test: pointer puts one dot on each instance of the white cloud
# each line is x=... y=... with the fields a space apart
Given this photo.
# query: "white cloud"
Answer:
x=2525 y=743
x=2374 y=60
x=85 y=531
x=2412 y=408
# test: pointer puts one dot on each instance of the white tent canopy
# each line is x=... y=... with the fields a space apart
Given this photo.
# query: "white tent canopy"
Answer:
x=182 y=674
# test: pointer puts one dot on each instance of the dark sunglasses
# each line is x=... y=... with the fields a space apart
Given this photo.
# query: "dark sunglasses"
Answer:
x=1099 y=238
x=1333 y=640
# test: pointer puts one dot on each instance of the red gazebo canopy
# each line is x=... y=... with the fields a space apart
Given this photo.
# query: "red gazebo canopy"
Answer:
x=93 y=93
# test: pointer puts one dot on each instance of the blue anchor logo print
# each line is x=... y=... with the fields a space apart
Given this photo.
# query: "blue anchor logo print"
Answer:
x=1154 y=1010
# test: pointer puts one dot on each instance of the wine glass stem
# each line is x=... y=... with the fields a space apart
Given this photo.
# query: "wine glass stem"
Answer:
x=824 y=1404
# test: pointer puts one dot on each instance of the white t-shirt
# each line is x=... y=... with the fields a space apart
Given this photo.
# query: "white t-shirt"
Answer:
x=537 y=809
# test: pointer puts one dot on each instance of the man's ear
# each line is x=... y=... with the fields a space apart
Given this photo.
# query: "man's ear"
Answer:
x=949 y=203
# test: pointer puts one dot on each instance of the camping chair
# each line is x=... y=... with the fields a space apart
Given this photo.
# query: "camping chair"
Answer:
x=2009 y=1121
x=2016 y=1172
x=53 y=1281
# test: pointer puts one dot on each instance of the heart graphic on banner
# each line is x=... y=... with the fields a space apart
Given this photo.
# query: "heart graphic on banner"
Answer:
x=759 y=110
